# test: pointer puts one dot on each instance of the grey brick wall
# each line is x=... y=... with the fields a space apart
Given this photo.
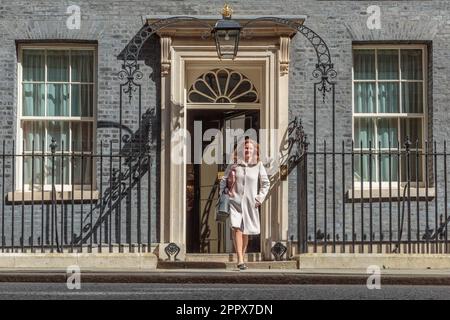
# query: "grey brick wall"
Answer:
x=113 y=23
x=342 y=23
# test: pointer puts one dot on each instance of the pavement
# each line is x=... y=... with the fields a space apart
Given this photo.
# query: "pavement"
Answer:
x=233 y=285
x=216 y=276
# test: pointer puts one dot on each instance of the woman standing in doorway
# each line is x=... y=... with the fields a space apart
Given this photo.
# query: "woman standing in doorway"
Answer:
x=247 y=183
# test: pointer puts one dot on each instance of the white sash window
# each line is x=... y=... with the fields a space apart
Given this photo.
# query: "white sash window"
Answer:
x=389 y=104
x=56 y=101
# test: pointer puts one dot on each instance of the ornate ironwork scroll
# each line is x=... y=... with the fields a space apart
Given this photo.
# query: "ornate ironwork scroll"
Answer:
x=324 y=70
x=135 y=165
x=130 y=67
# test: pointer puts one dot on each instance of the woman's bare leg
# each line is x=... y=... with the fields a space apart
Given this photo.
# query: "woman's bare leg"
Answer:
x=244 y=245
x=238 y=244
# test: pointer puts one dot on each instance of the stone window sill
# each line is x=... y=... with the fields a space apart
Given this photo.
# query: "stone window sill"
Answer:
x=38 y=197
x=394 y=194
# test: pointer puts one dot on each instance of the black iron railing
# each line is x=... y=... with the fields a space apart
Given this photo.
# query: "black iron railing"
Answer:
x=369 y=199
x=60 y=201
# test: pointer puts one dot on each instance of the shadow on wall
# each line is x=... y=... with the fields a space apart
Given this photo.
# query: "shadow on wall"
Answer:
x=136 y=144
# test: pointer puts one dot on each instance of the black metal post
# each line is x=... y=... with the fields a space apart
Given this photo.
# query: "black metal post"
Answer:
x=100 y=198
x=53 y=206
x=390 y=197
x=380 y=200
x=110 y=196
x=61 y=238
x=436 y=199
x=426 y=198
x=32 y=196
x=445 y=197
x=13 y=186
x=353 y=197
x=72 y=216
x=343 y=197
x=325 y=192
x=408 y=181
x=3 y=196
x=22 y=227
x=370 y=200
x=302 y=202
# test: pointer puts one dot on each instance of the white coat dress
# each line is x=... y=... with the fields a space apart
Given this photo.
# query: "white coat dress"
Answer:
x=243 y=213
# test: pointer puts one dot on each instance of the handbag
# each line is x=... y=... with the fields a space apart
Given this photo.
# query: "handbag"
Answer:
x=223 y=204
x=223 y=207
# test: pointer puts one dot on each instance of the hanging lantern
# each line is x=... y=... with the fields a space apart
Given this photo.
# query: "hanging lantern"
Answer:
x=226 y=34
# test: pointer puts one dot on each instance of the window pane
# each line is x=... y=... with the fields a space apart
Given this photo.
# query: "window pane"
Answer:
x=387 y=163
x=387 y=132
x=37 y=170
x=364 y=97
x=33 y=65
x=362 y=167
x=58 y=100
x=364 y=132
x=364 y=64
x=201 y=86
x=82 y=100
x=33 y=96
x=247 y=97
x=222 y=76
x=57 y=65
x=388 y=97
x=59 y=130
x=411 y=64
x=412 y=97
x=54 y=167
x=82 y=136
x=412 y=167
x=33 y=131
x=388 y=64
x=211 y=80
x=413 y=129
x=82 y=65
x=82 y=169
x=196 y=97
x=233 y=81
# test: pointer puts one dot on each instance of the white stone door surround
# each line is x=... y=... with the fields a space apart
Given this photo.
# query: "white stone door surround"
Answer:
x=263 y=59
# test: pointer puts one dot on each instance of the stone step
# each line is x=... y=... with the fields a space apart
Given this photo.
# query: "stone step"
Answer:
x=221 y=257
x=259 y=265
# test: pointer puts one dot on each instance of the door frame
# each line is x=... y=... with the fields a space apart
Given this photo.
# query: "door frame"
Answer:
x=194 y=226
x=273 y=115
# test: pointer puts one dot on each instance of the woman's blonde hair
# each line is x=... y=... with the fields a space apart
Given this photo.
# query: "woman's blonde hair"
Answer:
x=239 y=150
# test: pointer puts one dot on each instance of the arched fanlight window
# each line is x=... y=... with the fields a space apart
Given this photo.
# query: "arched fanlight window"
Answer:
x=223 y=86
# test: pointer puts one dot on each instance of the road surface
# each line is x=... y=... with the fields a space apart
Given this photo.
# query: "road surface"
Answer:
x=150 y=291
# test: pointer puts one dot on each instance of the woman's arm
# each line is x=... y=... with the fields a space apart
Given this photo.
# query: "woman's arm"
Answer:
x=264 y=184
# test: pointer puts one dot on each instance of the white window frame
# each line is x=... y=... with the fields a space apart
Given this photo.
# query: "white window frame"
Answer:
x=399 y=116
x=21 y=118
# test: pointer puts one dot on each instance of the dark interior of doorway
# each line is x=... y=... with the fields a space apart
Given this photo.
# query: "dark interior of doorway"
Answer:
x=197 y=231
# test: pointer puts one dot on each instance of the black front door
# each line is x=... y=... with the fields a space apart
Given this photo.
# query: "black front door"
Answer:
x=204 y=234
